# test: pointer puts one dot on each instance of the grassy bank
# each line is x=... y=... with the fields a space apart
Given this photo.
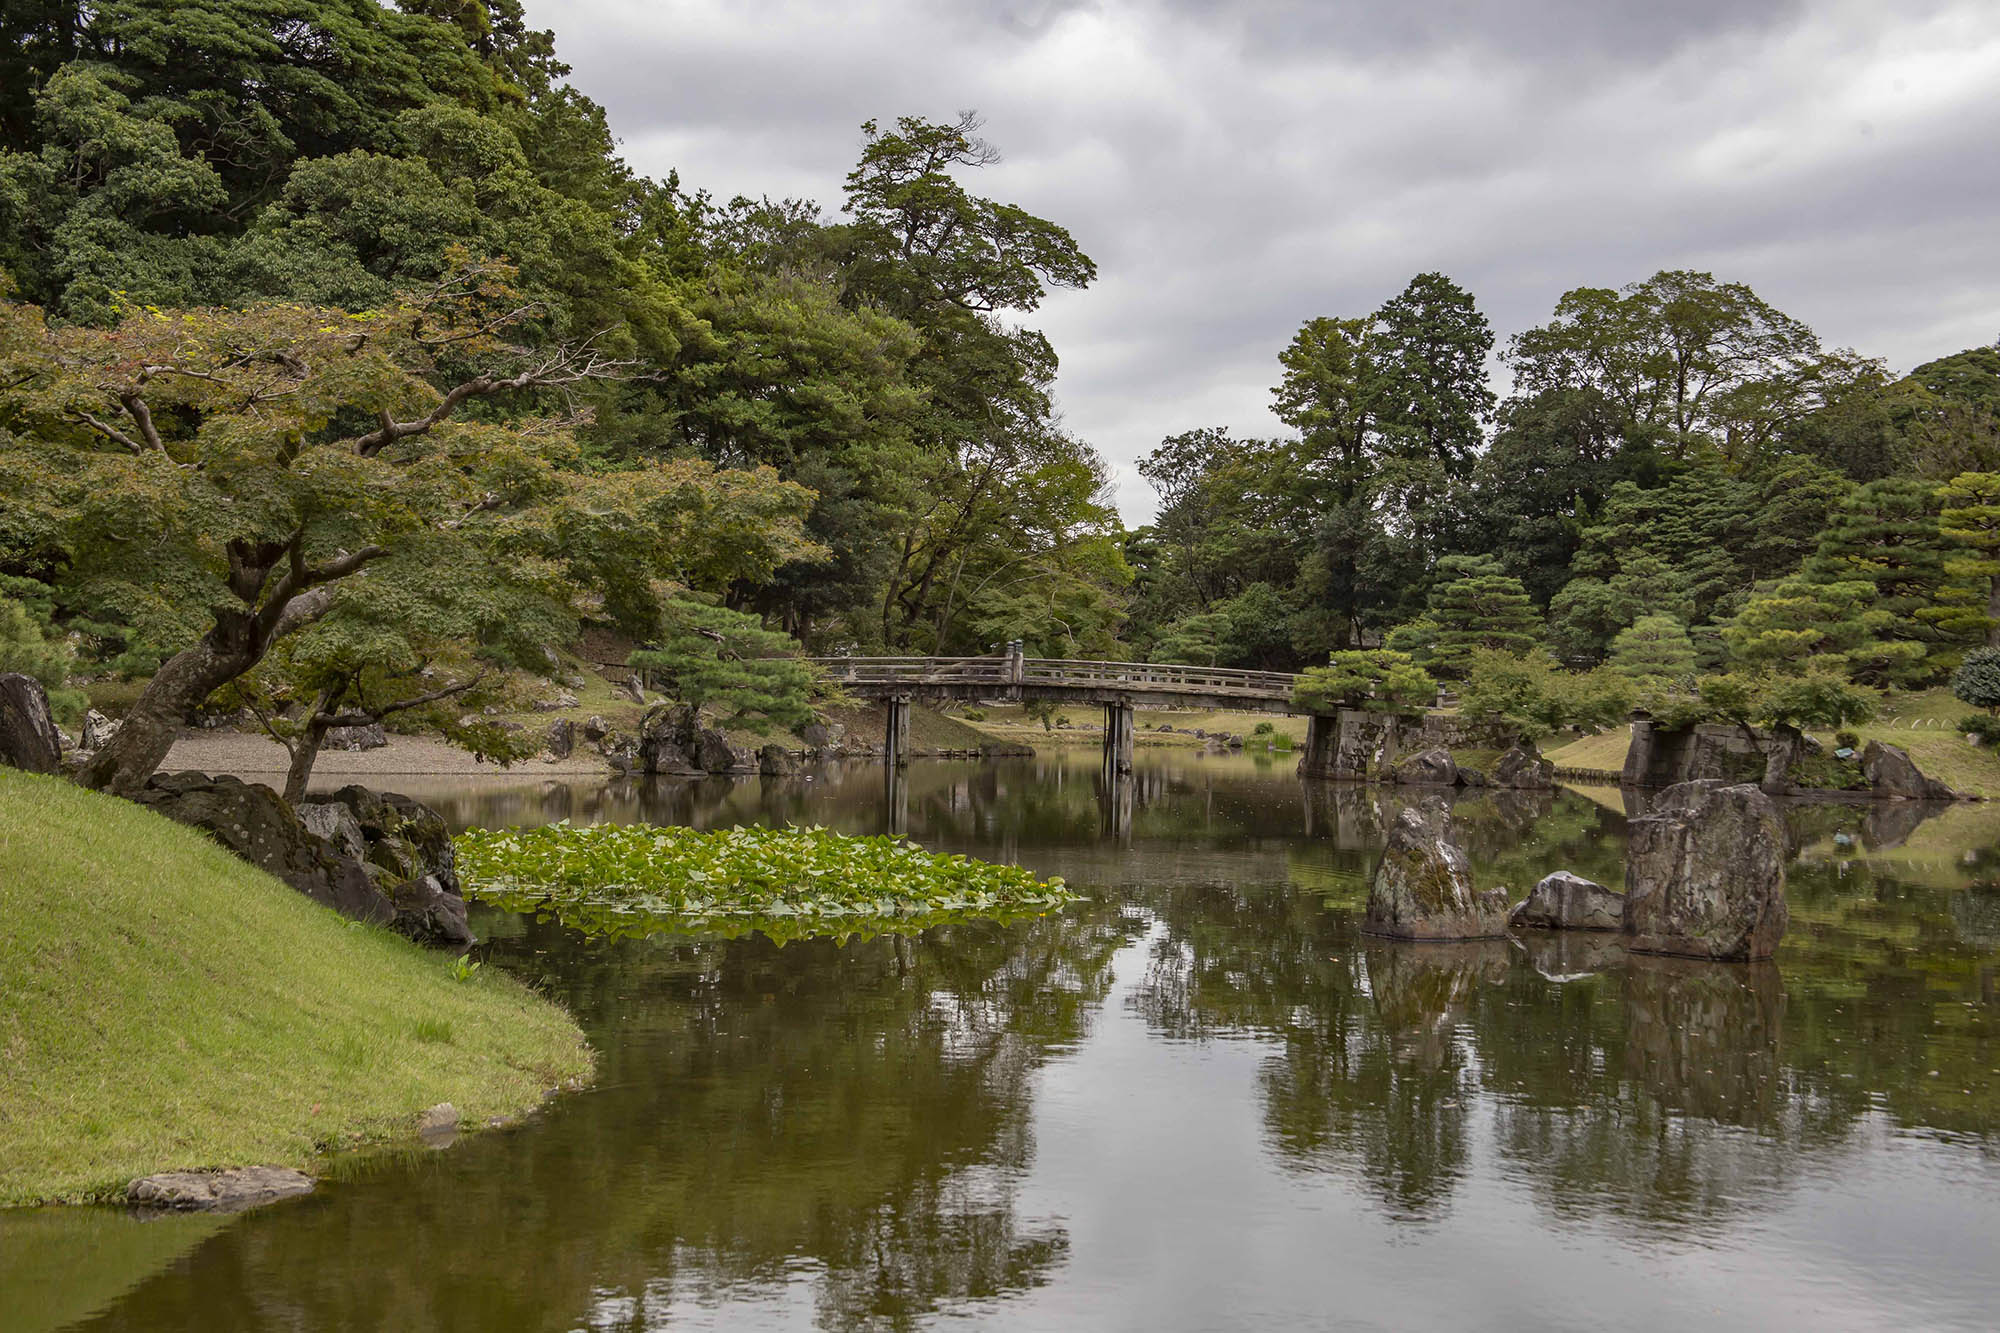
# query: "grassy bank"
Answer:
x=1924 y=723
x=1010 y=722
x=164 y=1005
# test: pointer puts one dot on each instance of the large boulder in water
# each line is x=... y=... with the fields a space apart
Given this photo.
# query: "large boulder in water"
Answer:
x=1423 y=885
x=1524 y=768
x=1429 y=768
x=1705 y=874
x=1563 y=901
x=1892 y=773
x=28 y=738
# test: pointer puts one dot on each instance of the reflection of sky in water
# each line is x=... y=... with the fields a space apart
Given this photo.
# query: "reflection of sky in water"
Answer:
x=1199 y=1100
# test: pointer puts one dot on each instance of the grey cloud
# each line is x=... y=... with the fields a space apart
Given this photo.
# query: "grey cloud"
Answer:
x=1237 y=168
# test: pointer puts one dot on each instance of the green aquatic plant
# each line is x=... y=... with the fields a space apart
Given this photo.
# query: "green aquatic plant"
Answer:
x=636 y=879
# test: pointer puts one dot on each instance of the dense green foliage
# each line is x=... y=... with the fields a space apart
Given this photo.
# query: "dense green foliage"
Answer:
x=1677 y=453
x=1379 y=679
x=1977 y=680
x=239 y=231
x=713 y=657
x=243 y=239
x=623 y=879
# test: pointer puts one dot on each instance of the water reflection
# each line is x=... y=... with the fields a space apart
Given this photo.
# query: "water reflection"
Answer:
x=888 y=1132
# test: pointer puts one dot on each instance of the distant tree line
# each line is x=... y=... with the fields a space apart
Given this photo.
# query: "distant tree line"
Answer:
x=1684 y=482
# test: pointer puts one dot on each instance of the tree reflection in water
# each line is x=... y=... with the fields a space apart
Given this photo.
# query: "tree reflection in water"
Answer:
x=844 y=1131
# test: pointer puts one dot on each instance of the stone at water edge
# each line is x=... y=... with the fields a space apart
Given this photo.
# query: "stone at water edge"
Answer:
x=1563 y=901
x=1431 y=768
x=1705 y=874
x=1422 y=888
x=218 y=1191
x=561 y=740
x=775 y=761
x=1892 y=773
x=438 y=1126
x=28 y=737
x=336 y=824
x=1524 y=768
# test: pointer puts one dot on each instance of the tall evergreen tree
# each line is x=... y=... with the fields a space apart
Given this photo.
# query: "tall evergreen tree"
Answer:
x=1971 y=517
x=1476 y=604
x=1888 y=537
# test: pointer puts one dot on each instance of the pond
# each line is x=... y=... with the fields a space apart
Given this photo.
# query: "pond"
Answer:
x=1198 y=1099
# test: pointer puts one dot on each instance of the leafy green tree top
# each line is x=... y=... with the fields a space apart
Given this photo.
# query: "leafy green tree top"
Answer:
x=222 y=475
x=1820 y=696
x=1654 y=648
x=1371 y=678
x=1533 y=695
x=1970 y=517
x=1887 y=535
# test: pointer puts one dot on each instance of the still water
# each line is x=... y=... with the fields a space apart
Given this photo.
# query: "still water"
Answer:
x=1197 y=1100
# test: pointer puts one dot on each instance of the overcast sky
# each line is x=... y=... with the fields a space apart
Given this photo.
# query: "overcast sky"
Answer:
x=1238 y=168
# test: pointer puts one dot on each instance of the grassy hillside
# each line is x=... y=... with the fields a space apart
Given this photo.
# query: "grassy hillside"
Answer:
x=164 y=1005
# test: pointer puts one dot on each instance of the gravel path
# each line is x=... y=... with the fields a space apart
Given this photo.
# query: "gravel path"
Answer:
x=261 y=757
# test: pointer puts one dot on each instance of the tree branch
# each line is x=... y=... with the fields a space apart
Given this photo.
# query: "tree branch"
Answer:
x=110 y=432
x=566 y=365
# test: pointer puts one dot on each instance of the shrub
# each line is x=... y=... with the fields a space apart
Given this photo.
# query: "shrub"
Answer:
x=975 y=715
x=1983 y=725
x=1846 y=740
x=1262 y=729
x=1977 y=680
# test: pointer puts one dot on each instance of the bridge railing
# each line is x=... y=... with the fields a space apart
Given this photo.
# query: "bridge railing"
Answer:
x=1151 y=677
x=1155 y=675
x=915 y=670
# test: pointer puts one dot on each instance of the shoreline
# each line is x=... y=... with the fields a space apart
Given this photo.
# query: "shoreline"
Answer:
x=244 y=755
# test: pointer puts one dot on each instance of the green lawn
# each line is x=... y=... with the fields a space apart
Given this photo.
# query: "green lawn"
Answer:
x=1604 y=752
x=164 y=1005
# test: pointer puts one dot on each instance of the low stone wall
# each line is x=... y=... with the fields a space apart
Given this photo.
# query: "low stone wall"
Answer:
x=1357 y=745
x=1662 y=758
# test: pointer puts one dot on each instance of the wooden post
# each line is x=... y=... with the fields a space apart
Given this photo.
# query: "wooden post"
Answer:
x=1117 y=738
x=896 y=743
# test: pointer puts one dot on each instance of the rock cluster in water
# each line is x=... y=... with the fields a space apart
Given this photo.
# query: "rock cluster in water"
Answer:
x=1704 y=878
x=1423 y=885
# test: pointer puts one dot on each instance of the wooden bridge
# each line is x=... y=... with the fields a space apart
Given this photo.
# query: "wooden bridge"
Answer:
x=1013 y=677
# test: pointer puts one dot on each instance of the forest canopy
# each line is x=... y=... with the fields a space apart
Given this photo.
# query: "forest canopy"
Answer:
x=344 y=319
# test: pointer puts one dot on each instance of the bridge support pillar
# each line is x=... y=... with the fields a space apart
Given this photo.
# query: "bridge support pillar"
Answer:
x=896 y=740
x=1117 y=738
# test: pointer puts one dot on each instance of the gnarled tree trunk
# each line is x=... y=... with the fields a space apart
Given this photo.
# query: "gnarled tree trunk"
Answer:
x=179 y=687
